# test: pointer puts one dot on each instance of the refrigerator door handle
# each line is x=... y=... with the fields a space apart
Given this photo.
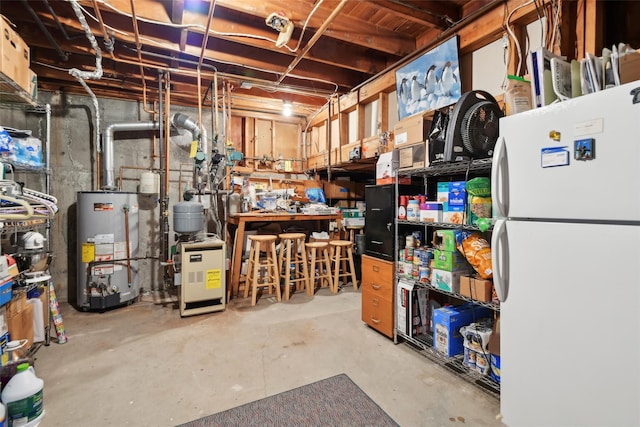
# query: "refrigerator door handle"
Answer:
x=500 y=180
x=500 y=259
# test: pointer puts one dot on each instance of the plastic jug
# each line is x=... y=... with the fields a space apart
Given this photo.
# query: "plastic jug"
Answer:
x=23 y=397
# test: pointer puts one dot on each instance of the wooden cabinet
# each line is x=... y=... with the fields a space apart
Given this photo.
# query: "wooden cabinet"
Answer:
x=377 y=294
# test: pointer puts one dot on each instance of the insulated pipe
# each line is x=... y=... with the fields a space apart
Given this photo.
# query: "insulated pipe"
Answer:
x=110 y=183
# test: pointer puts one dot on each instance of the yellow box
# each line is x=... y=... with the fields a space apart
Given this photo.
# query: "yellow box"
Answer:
x=14 y=55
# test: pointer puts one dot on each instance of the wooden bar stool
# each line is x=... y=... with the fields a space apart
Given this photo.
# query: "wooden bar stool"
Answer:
x=292 y=263
x=343 y=262
x=271 y=279
x=319 y=258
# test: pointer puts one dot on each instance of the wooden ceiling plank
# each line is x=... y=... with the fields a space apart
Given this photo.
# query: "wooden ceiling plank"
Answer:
x=418 y=15
x=177 y=10
x=345 y=28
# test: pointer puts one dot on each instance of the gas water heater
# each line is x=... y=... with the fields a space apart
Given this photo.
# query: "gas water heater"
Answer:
x=107 y=233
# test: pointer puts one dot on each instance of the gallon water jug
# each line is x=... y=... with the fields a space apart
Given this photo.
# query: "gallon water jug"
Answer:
x=23 y=397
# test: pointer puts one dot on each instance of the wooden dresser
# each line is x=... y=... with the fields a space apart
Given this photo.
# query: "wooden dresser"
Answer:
x=377 y=294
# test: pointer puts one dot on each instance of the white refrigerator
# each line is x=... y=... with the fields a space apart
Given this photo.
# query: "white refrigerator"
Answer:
x=566 y=259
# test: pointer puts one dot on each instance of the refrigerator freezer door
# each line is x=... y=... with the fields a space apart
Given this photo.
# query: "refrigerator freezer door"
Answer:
x=538 y=159
x=570 y=328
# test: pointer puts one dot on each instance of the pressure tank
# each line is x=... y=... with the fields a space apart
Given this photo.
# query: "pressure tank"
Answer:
x=103 y=236
x=188 y=217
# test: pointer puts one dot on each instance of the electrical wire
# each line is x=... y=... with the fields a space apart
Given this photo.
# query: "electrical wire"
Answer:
x=154 y=43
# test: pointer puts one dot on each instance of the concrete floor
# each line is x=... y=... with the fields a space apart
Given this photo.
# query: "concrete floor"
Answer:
x=143 y=365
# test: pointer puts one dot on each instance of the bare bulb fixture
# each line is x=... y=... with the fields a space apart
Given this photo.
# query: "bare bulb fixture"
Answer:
x=287 y=109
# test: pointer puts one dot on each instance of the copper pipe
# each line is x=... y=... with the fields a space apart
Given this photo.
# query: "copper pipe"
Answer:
x=313 y=39
x=128 y=167
x=215 y=104
x=205 y=37
x=138 y=46
x=105 y=34
x=167 y=125
x=126 y=227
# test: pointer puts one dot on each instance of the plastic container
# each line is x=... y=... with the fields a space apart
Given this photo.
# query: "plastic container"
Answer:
x=402 y=209
x=149 y=183
x=235 y=203
x=413 y=210
x=38 y=319
x=23 y=397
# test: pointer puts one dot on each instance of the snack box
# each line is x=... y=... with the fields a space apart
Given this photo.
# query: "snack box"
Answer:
x=445 y=240
x=446 y=280
x=449 y=260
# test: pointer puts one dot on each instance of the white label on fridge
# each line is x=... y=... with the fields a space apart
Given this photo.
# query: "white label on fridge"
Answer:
x=554 y=156
x=589 y=127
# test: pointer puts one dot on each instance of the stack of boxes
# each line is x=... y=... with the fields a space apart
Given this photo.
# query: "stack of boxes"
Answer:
x=448 y=263
x=411 y=135
x=15 y=61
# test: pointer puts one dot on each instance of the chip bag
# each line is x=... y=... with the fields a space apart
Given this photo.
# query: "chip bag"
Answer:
x=477 y=251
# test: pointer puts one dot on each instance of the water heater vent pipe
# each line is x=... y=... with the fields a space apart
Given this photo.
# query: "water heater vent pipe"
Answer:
x=109 y=180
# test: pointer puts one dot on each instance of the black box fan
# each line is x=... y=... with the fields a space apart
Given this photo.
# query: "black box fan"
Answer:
x=472 y=131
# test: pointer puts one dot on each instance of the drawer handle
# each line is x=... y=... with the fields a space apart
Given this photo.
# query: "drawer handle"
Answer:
x=375 y=268
x=374 y=320
x=376 y=287
x=375 y=302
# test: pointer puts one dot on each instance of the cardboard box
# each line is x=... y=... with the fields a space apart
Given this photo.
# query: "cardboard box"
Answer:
x=630 y=67
x=446 y=280
x=456 y=203
x=343 y=190
x=411 y=130
x=385 y=170
x=412 y=156
x=447 y=321
x=445 y=240
x=411 y=309
x=449 y=260
x=442 y=194
x=14 y=55
x=476 y=288
x=17 y=304
x=20 y=325
x=431 y=213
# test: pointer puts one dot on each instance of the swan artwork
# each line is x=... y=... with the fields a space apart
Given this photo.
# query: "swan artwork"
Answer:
x=431 y=80
x=447 y=79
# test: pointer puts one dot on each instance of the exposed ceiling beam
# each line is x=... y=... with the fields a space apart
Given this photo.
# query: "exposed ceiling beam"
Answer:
x=418 y=15
x=177 y=9
x=366 y=35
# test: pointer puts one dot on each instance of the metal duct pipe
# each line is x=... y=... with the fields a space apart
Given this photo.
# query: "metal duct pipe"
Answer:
x=109 y=179
x=182 y=121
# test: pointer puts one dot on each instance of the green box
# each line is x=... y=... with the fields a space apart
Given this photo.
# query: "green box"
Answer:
x=445 y=240
x=449 y=260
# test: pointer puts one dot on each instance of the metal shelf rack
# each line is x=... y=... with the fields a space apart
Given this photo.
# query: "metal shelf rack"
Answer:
x=489 y=305
x=424 y=345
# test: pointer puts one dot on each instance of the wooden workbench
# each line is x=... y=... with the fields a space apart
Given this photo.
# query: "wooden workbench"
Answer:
x=240 y=220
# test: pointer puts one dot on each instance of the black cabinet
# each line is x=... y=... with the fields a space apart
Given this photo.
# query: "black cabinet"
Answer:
x=380 y=214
